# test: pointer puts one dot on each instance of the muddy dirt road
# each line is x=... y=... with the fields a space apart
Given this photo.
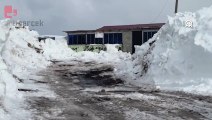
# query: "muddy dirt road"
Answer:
x=90 y=91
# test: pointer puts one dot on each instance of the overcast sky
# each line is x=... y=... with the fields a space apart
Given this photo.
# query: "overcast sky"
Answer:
x=60 y=15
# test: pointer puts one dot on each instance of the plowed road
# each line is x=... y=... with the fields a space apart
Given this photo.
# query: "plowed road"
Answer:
x=90 y=91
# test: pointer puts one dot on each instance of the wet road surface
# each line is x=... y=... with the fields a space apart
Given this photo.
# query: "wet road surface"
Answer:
x=90 y=91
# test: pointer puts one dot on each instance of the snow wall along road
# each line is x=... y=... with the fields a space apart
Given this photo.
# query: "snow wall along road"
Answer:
x=180 y=57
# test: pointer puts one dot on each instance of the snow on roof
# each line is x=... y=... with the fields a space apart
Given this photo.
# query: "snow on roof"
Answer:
x=81 y=31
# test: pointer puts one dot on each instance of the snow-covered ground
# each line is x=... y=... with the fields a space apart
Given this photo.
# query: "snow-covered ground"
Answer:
x=176 y=58
x=181 y=56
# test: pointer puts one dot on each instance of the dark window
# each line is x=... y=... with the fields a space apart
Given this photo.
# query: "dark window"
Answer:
x=145 y=37
x=90 y=38
x=99 y=41
x=75 y=39
x=96 y=41
x=119 y=38
x=93 y=40
x=106 y=38
x=148 y=35
x=71 y=39
x=83 y=37
x=79 y=38
x=111 y=39
x=154 y=33
x=115 y=36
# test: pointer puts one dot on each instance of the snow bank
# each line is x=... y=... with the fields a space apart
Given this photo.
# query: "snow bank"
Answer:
x=9 y=97
x=179 y=57
x=56 y=49
x=112 y=55
x=20 y=56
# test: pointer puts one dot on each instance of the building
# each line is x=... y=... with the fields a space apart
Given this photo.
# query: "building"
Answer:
x=126 y=35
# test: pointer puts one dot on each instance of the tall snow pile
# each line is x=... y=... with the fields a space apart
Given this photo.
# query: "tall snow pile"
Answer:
x=179 y=57
x=56 y=49
x=12 y=63
x=20 y=56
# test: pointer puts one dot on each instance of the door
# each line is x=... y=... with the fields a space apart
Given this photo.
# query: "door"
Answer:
x=136 y=39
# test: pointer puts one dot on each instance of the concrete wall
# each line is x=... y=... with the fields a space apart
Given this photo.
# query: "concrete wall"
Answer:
x=127 y=41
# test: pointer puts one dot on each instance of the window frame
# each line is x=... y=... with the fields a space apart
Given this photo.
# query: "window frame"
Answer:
x=113 y=40
x=148 y=32
x=90 y=38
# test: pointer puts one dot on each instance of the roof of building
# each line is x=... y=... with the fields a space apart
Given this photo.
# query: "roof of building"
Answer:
x=81 y=31
x=131 y=27
x=121 y=28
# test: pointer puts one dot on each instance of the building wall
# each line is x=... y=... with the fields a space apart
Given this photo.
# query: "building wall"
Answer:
x=92 y=48
x=127 y=41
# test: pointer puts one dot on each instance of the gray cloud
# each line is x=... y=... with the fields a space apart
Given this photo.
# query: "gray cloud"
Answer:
x=91 y=14
x=193 y=5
